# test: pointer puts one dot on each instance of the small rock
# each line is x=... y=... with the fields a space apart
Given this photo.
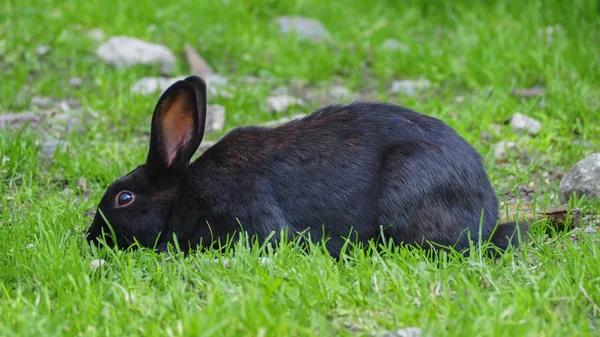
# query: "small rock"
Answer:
x=152 y=85
x=17 y=120
x=283 y=120
x=96 y=263
x=216 y=80
x=67 y=120
x=528 y=92
x=582 y=180
x=409 y=87
x=42 y=50
x=282 y=102
x=64 y=106
x=395 y=45
x=582 y=143
x=459 y=99
x=501 y=149
x=524 y=124
x=125 y=51
x=96 y=34
x=216 y=86
x=75 y=82
x=342 y=93
x=304 y=28
x=68 y=104
x=589 y=229
x=496 y=128
x=50 y=146
x=485 y=136
x=280 y=91
x=197 y=65
x=215 y=118
x=83 y=185
x=406 y=332
x=42 y=102
x=29 y=246
x=297 y=83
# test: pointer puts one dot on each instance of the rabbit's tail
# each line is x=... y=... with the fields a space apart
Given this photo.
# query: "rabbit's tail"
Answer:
x=509 y=234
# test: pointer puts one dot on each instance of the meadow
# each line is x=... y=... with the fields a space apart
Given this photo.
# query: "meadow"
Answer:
x=87 y=128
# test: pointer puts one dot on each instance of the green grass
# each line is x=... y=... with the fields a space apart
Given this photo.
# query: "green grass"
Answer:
x=478 y=51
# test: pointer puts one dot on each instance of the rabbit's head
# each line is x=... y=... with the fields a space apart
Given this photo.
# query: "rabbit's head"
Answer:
x=137 y=205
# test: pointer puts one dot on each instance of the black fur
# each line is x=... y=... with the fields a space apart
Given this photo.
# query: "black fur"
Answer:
x=343 y=168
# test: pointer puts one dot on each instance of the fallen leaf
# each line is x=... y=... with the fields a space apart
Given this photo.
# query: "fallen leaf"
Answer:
x=197 y=64
x=561 y=217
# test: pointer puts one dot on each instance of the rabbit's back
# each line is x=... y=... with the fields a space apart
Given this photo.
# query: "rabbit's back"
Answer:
x=357 y=166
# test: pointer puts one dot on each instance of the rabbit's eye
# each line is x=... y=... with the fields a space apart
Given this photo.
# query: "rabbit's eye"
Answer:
x=124 y=198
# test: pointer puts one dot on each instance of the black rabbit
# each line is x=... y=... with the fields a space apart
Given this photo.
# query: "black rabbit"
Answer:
x=362 y=168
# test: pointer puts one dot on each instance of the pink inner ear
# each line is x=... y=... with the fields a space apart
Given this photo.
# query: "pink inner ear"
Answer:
x=174 y=147
x=177 y=125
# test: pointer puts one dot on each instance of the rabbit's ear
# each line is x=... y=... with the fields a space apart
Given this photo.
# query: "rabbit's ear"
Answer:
x=177 y=125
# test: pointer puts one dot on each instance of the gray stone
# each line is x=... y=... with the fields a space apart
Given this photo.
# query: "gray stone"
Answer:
x=406 y=332
x=395 y=45
x=583 y=179
x=502 y=148
x=42 y=50
x=409 y=87
x=280 y=91
x=215 y=118
x=49 y=146
x=42 y=102
x=75 y=82
x=68 y=104
x=49 y=104
x=281 y=103
x=216 y=85
x=96 y=263
x=65 y=121
x=125 y=51
x=339 y=92
x=524 y=124
x=496 y=128
x=17 y=120
x=304 y=28
x=152 y=85
x=216 y=80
